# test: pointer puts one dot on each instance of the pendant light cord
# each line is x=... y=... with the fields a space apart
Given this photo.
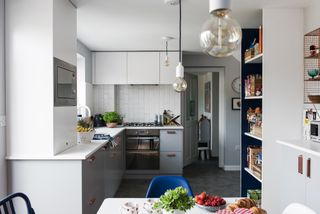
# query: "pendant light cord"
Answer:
x=180 y=57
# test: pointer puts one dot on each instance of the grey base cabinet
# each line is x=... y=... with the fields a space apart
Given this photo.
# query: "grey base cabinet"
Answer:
x=69 y=186
x=171 y=150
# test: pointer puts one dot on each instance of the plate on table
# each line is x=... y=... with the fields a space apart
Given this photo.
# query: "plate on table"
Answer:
x=210 y=203
x=212 y=208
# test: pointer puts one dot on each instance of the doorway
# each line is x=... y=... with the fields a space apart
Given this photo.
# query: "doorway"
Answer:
x=206 y=92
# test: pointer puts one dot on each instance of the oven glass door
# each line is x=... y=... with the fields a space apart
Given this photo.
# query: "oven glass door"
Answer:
x=142 y=153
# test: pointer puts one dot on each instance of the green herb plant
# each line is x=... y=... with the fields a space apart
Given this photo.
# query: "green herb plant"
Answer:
x=111 y=117
x=177 y=199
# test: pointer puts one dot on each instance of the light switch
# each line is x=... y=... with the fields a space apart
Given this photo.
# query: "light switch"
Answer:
x=2 y=120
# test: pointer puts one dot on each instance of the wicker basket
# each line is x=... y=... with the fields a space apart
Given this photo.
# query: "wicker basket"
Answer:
x=85 y=137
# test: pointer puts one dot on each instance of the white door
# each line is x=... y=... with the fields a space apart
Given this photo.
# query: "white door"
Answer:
x=168 y=73
x=143 y=68
x=313 y=182
x=292 y=182
x=190 y=119
x=110 y=68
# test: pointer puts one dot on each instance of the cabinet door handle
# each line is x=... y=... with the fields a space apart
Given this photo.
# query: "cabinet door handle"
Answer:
x=171 y=132
x=92 y=201
x=92 y=159
x=309 y=168
x=171 y=155
x=300 y=164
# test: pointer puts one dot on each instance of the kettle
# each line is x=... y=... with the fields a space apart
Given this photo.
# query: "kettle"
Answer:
x=98 y=121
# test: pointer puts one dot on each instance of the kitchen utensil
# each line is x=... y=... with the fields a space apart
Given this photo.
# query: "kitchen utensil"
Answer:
x=98 y=121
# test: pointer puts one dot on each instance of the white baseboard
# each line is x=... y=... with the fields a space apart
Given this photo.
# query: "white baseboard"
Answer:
x=231 y=168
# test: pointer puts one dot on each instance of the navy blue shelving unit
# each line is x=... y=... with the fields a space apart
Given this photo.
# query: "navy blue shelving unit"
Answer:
x=248 y=181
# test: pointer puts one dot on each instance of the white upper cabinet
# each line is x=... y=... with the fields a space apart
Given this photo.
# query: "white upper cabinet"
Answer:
x=168 y=73
x=143 y=68
x=110 y=68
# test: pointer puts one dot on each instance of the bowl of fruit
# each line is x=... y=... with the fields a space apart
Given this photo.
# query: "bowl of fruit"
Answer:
x=209 y=202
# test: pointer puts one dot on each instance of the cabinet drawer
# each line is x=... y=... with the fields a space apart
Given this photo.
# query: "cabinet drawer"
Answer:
x=171 y=162
x=171 y=140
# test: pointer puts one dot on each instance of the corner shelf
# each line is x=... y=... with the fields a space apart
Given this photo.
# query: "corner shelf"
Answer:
x=253 y=175
x=253 y=136
x=253 y=66
x=253 y=98
x=255 y=59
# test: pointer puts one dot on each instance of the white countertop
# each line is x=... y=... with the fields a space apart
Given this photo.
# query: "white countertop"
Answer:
x=302 y=145
x=115 y=204
x=83 y=151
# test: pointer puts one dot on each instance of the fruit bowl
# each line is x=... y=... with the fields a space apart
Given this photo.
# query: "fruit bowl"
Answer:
x=210 y=203
x=211 y=208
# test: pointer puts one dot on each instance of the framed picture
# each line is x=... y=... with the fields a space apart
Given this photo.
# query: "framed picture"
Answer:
x=207 y=97
x=236 y=103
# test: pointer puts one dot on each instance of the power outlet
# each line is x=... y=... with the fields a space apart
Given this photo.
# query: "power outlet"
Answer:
x=2 y=120
x=237 y=148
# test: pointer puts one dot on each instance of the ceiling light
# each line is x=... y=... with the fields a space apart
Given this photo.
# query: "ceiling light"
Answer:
x=221 y=35
x=166 y=59
x=180 y=84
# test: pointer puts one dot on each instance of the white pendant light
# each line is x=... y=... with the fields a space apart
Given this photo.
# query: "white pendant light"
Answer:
x=221 y=35
x=166 y=59
x=180 y=84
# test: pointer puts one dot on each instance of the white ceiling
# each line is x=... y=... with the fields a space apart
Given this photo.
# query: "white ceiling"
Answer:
x=139 y=24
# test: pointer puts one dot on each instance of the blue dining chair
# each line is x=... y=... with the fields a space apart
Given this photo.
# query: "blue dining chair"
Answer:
x=7 y=204
x=160 y=184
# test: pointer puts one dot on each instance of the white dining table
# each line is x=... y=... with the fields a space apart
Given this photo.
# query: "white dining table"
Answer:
x=113 y=205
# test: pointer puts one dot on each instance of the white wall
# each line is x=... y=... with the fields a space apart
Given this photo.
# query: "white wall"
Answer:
x=37 y=31
x=29 y=76
x=283 y=95
x=3 y=172
x=64 y=48
x=232 y=70
x=312 y=16
x=136 y=103
x=86 y=53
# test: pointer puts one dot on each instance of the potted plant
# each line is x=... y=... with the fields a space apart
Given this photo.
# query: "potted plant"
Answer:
x=175 y=201
x=112 y=119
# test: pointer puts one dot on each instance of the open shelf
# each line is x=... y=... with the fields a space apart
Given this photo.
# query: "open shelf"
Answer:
x=253 y=136
x=253 y=98
x=256 y=59
x=253 y=175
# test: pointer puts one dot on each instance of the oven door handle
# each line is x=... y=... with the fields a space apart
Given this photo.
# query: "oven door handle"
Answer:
x=144 y=138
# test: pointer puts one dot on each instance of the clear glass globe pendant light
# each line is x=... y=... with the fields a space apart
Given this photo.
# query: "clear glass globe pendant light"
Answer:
x=180 y=84
x=221 y=35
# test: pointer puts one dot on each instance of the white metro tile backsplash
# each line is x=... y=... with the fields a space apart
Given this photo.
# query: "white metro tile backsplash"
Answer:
x=103 y=98
x=136 y=103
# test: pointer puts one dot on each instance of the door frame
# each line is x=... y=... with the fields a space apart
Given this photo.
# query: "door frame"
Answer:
x=222 y=104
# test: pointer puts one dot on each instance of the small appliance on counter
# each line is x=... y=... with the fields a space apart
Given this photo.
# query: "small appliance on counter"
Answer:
x=315 y=131
x=98 y=121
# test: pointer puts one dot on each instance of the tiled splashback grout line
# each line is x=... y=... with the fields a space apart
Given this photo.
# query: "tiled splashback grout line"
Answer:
x=136 y=103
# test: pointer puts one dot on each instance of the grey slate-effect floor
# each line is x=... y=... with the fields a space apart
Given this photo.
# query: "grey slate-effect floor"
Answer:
x=202 y=175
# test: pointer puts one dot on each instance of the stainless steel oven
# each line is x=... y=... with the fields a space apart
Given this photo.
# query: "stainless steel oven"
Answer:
x=142 y=149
